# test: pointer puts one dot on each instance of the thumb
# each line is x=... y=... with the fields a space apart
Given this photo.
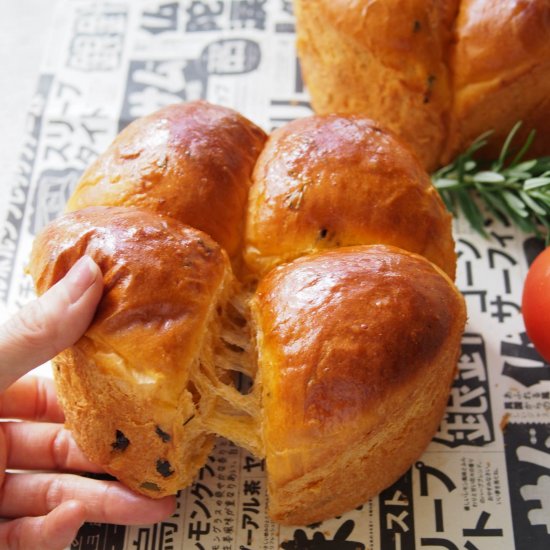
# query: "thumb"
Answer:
x=51 y=323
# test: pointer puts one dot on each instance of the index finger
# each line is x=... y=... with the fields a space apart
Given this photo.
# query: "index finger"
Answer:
x=31 y=398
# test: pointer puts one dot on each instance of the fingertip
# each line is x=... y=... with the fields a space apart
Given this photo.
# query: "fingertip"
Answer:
x=61 y=525
x=170 y=505
x=129 y=508
x=161 y=509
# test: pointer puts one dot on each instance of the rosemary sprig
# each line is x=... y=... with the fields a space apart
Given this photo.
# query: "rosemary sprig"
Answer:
x=510 y=188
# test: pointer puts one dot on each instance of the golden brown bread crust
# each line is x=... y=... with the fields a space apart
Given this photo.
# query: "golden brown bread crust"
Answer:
x=329 y=181
x=501 y=73
x=487 y=65
x=151 y=380
x=357 y=350
x=190 y=161
x=128 y=386
x=385 y=60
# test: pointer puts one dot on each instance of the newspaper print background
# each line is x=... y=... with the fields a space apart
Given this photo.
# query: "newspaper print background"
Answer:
x=484 y=482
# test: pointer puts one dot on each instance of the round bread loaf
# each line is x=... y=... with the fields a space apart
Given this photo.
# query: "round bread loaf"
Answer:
x=384 y=60
x=439 y=74
x=351 y=350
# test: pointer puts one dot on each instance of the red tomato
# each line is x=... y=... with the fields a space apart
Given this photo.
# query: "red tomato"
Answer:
x=536 y=303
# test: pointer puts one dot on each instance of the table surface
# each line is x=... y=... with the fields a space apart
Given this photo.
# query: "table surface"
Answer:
x=25 y=27
x=24 y=32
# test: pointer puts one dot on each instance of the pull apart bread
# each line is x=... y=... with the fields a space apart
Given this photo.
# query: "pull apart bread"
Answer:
x=319 y=264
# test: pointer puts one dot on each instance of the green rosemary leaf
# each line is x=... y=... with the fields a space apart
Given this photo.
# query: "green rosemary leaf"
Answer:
x=506 y=145
x=541 y=196
x=487 y=176
x=526 y=225
x=494 y=205
x=514 y=181
x=525 y=148
x=514 y=176
x=471 y=211
x=478 y=143
x=498 y=203
x=442 y=172
x=446 y=183
x=532 y=204
x=523 y=222
x=449 y=203
x=516 y=191
x=542 y=165
x=534 y=183
x=460 y=162
x=523 y=167
x=515 y=204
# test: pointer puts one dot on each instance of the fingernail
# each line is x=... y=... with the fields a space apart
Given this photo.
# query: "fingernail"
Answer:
x=80 y=277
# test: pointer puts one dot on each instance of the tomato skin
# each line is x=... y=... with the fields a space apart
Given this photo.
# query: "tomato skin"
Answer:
x=535 y=304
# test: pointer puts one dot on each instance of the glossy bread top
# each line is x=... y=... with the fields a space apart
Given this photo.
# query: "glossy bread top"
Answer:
x=190 y=161
x=328 y=181
x=342 y=330
x=159 y=281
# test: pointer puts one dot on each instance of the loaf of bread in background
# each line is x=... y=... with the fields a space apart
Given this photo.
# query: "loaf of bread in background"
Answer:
x=501 y=72
x=384 y=60
x=439 y=74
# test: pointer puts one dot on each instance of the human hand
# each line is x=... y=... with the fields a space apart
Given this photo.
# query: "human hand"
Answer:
x=46 y=504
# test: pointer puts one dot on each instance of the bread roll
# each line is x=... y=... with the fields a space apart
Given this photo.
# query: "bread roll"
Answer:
x=439 y=74
x=145 y=387
x=357 y=349
x=190 y=161
x=329 y=181
x=384 y=60
x=350 y=351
